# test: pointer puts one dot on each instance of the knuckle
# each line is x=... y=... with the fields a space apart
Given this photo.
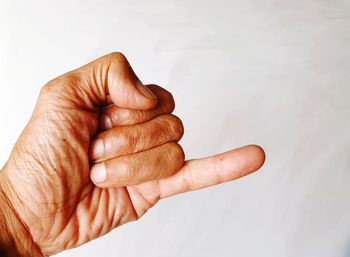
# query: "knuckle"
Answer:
x=114 y=116
x=176 y=126
x=170 y=102
x=123 y=138
x=133 y=117
x=117 y=57
x=153 y=87
x=139 y=117
x=123 y=114
x=125 y=170
x=166 y=99
x=178 y=152
x=118 y=70
x=126 y=140
x=108 y=121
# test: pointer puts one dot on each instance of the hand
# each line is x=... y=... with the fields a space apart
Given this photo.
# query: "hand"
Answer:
x=49 y=202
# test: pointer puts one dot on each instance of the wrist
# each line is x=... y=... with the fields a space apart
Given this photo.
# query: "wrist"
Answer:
x=15 y=239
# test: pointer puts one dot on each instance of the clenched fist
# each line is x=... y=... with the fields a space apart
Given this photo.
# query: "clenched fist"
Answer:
x=99 y=150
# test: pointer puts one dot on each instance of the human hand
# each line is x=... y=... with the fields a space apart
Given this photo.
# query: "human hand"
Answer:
x=49 y=201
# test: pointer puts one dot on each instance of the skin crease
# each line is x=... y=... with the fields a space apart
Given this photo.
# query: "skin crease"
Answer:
x=51 y=204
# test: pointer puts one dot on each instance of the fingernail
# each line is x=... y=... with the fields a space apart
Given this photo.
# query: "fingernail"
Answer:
x=98 y=173
x=97 y=149
x=108 y=123
x=146 y=92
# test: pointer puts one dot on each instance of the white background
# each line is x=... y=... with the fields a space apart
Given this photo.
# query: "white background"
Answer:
x=275 y=73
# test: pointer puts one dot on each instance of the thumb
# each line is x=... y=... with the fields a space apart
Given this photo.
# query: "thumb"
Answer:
x=89 y=86
x=124 y=87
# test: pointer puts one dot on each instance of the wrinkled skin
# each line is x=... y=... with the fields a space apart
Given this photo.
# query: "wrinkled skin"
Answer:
x=46 y=181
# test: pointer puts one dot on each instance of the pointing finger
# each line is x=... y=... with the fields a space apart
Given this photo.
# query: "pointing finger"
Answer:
x=201 y=173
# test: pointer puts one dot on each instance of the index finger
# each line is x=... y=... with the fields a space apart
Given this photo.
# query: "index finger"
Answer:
x=217 y=169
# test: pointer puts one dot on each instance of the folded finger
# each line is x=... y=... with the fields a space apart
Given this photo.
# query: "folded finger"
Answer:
x=113 y=116
x=156 y=163
x=132 y=139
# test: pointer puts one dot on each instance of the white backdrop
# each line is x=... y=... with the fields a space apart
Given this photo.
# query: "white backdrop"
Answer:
x=271 y=72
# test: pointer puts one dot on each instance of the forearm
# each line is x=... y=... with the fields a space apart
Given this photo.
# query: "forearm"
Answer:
x=14 y=236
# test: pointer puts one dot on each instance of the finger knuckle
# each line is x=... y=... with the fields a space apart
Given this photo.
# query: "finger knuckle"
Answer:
x=117 y=57
x=153 y=86
x=115 y=116
x=177 y=152
x=122 y=137
x=122 y=116
x=134 y=117
x=107 y=121
x=126 y=140
x=175 y=125
x=165 y=98
x=125 y=170
x=170 y=102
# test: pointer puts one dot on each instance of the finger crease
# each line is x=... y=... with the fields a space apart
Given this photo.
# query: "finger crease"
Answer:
x=187 y=177
x=219 y=170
